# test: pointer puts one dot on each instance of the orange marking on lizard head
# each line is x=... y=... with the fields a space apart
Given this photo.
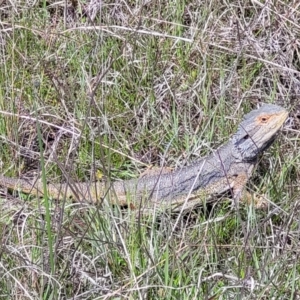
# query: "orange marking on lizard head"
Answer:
x=267 y=118
x=263 y=119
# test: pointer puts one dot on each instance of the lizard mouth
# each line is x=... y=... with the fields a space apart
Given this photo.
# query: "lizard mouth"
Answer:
x=267 y=144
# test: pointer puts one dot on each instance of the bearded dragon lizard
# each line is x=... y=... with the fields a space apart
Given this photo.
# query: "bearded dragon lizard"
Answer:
x=227 y=168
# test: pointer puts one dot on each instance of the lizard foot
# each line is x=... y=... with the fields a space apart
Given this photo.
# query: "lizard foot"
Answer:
x=258 y=201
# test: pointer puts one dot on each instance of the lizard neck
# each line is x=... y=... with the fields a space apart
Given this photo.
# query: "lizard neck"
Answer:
x=228 y=156
x=243 y=155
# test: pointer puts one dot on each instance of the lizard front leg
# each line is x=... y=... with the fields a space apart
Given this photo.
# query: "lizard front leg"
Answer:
x=241 y=194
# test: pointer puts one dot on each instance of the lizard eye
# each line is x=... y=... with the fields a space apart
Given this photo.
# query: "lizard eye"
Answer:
x=246 y=137
x=263 y=119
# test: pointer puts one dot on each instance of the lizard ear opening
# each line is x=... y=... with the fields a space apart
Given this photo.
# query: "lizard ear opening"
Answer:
x=243 y=144
x=239 y=142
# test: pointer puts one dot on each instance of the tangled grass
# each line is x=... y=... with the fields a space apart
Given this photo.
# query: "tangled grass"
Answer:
x=91 y=89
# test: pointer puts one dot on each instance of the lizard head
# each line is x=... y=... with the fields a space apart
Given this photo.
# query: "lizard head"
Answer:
x=257 y=131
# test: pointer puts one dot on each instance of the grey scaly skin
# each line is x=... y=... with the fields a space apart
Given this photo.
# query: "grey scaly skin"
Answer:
x=227 y=168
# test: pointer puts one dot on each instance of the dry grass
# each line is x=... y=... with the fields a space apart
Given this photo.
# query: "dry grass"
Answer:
x=115 y=87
